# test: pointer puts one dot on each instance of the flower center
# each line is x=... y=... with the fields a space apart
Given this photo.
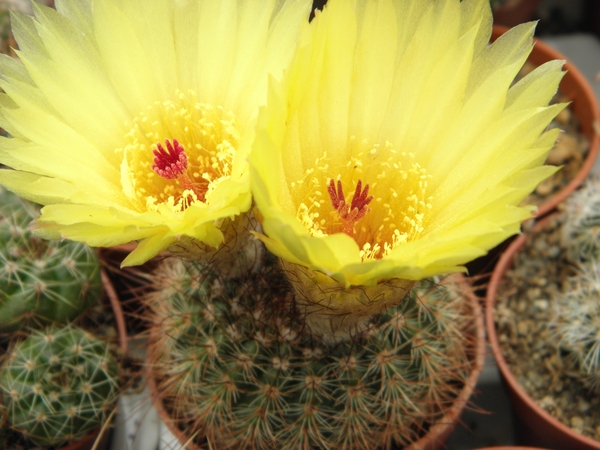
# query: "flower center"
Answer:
x=172 y=164
x=395 y=213
x=200 y=142
x=352 y=212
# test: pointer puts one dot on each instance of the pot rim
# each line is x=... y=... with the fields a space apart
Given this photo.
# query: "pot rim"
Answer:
x=511 y=447
x=436 y=434
x=504 y=264
x=577 y=87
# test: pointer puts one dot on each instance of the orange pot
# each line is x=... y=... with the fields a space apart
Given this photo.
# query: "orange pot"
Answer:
x=537 y=425
x=575 y=87
x=510 y=447
x=436 y=435
x=514 y=13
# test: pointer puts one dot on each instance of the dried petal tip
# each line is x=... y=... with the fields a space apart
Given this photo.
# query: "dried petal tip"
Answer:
x=172 y=164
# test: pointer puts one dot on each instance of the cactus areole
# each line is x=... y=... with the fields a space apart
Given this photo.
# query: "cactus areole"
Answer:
x=41 y=281
x=238 y=367
x=58 y=385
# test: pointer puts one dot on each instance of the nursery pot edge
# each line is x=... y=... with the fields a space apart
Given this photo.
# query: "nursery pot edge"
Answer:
x=543 y=427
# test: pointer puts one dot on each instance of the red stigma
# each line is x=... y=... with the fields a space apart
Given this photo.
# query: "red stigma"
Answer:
x=337 y=197
x=172 y=164
x=353 y=212
x=361 y=200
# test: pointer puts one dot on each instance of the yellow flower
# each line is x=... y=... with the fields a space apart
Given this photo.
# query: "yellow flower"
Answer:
x=132 y=120
x=395 y=146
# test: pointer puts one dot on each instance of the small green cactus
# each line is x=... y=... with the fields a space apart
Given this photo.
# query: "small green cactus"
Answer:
x=41 y=281
x=237 y=366
x=58 y=385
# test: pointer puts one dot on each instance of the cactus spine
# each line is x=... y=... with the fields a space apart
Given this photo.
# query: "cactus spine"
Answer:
x=239 y=254
x=576 y=319
x=41 y=281
x=576 y=322
x=58 y=385
x=335 y=312
x=581 y=230
x=236 y=364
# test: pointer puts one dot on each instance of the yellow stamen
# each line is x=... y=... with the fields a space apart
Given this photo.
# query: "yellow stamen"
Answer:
x=208 y=138
x=396 y=214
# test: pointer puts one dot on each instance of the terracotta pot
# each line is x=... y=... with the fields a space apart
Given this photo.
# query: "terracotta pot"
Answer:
x=129 y=282
x=436 y=435
x=575 y=87
x=510 y=447
x=515 y=12
x=535 y=424
x=88 y=442
x=115 y=304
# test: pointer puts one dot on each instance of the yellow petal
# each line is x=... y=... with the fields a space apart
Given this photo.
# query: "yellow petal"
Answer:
x=147 y=249
x=408 y=98
x=103 y=82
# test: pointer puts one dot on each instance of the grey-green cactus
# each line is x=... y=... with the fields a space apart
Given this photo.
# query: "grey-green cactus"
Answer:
x=576 y=314
x=577 y=322
x=41 y=281
x=581 y=229
x=58 y=385
x=237 y=367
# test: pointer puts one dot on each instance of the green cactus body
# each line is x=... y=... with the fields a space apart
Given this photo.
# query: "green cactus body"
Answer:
x=235 y=366
x=41 y=281
x=58 y=385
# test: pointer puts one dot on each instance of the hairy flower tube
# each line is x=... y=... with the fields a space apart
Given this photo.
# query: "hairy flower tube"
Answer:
x=132 y=121
x=395 y=147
